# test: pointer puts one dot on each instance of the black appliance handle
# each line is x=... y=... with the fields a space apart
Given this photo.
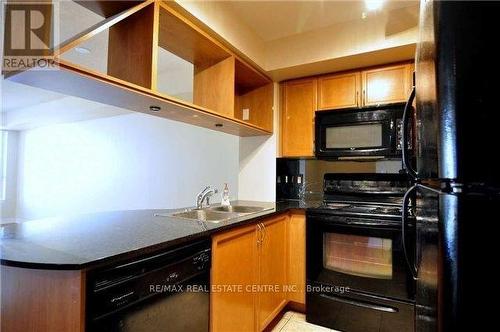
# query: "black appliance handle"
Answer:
x=412 y=266
x=362 y=304
x=405 y=139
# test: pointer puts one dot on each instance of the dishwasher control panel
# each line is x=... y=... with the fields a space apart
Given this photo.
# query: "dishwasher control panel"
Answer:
x=123 y=285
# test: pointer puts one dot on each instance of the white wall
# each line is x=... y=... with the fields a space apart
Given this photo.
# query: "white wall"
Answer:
x=8 y=205
x=131 y=161
x=257 y=175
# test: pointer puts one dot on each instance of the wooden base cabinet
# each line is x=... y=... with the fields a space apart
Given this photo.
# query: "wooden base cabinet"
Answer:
x=249 y=276
x=234 y=269
x=272 y=270
x=35 y=300
x=296 y=256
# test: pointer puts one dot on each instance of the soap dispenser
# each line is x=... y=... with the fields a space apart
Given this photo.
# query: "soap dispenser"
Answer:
x=225 y=196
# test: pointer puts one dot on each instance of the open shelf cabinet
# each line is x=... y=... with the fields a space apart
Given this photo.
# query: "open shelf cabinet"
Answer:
x=160 y=63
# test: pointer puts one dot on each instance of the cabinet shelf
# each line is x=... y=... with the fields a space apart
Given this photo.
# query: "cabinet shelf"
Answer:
x=78 y=82
x=253 y=101
x=219 y=81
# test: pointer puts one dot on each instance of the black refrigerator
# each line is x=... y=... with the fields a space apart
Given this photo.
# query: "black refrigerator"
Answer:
x=454 y=165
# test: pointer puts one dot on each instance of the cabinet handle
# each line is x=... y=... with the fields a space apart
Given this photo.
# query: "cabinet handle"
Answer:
x=364 y=97
x=357 y=98
x=264 y=233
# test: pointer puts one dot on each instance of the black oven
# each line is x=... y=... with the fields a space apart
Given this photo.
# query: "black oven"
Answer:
x=357 y=275
x=367 y=133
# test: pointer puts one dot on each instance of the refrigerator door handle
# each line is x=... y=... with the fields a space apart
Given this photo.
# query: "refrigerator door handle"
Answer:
x=405 y=139
x=404 y=218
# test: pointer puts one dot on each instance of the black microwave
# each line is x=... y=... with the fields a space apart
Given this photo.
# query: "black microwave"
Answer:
x=360 y=134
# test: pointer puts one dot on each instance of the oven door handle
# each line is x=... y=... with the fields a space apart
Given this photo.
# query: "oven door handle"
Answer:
x=362 y=304
x=412 y=266
x=405 y=139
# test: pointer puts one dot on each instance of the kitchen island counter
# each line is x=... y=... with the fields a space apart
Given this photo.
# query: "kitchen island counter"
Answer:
x=91 y=240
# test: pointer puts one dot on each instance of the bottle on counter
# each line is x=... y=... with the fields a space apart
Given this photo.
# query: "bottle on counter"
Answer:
x=225 y=196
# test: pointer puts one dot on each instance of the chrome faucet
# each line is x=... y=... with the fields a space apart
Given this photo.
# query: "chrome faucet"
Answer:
x=205 y=194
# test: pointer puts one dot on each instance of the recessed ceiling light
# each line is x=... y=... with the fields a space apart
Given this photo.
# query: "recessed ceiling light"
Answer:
x=374 y=4
x=82 y=50
x=154 y=108
x=195 y=115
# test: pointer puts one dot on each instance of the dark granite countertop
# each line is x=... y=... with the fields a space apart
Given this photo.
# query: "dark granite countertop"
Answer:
x=91 y=240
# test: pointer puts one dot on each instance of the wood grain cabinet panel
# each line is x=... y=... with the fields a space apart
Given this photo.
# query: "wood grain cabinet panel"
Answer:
x=301 y=98
x=259 y=103
x=254 y=257
x=130 y=49
x=384 y=85
x=234 y=264
x=138 y=30
x=298 y=107
x=339 y=91
x=296 y=265
x=42 y=300
x=272 y=270
x=214 y=87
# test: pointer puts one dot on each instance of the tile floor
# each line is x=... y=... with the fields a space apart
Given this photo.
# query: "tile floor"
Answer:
x=296 y=322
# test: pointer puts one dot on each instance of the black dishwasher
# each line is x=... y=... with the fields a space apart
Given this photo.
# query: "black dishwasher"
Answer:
x=164 y=292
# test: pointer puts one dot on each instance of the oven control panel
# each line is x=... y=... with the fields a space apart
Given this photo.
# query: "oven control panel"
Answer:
x=365 y=183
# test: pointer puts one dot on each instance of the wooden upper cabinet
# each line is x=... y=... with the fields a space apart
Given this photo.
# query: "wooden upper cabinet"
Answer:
x=158 y=61
x=254 y=96
x=384 y=85
x=272 y=257
x=135 y=32
x=298 y=107
x=339 y=91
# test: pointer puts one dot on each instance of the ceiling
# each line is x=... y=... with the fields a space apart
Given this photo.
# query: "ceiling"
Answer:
x=272 y=20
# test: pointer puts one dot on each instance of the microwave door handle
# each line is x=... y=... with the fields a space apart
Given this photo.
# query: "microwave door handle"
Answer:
x=404 y=218
x=405 y=139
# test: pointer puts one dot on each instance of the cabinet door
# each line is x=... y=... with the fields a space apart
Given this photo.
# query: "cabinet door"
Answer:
x=234 y=262
x=296 y=257
x=386 y=85
x=339 y=91
x=272 y=270
x=298 y=106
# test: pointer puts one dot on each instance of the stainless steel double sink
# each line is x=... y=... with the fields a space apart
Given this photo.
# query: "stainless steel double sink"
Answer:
x=218 y=214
